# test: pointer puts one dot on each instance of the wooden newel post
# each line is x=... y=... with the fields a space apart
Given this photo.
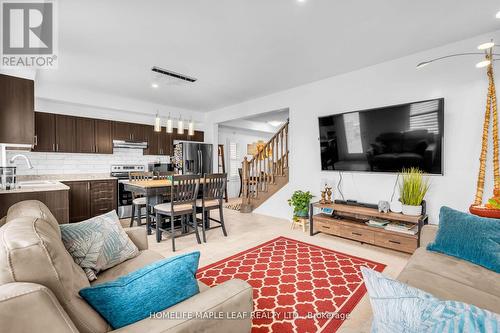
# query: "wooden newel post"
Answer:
x=245 y=197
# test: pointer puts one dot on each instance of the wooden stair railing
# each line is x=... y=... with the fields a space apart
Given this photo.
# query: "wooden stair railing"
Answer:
x=266 y=172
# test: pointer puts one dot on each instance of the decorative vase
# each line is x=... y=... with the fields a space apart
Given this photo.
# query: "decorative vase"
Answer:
x=412 y=210
x=302 y=213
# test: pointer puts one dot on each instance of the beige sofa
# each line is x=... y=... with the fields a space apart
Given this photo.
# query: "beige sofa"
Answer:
x=450 y=278
x=39 y=283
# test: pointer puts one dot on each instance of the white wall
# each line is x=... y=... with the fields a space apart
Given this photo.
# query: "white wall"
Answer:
x=242 y=138
x=457 y=80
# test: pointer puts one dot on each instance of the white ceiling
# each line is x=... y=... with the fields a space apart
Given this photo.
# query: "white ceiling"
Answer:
x=242 y=49
x=262 y=122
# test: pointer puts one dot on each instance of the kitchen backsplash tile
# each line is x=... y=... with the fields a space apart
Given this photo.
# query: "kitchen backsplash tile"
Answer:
x=62 y=163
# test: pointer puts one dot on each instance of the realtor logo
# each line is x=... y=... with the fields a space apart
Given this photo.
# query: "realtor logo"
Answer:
x=28 y=34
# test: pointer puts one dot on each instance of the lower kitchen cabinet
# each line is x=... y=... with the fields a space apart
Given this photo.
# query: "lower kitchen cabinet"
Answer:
x=91 y=198
x=56 y=201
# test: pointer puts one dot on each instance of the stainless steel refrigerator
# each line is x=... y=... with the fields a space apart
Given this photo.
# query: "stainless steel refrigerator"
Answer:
x=193 y=157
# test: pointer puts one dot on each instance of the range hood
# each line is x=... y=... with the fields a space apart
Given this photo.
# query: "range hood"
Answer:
x=130 y=144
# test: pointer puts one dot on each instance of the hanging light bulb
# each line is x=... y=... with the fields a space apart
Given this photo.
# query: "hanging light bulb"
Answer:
x=180 y=126
x=169 y=124
x=483 y=63
x=157 y=122
x=191 y=127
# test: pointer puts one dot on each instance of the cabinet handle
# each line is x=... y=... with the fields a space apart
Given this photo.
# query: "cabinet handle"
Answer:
x=96 y=149
x=88 y=186
x=57 y=147
x=326 y=227
x=36 y=140
x=53 y=147
x=395 y=242
x=357 y=233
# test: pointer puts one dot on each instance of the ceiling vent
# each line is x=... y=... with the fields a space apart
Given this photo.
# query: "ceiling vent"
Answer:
x=174 y=75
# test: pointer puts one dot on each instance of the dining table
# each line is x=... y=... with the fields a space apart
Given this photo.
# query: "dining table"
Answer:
x=153 y=190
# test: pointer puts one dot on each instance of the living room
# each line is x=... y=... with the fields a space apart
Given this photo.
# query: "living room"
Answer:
x=266 y=264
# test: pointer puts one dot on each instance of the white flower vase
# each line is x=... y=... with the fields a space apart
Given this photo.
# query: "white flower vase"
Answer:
x=412 y=210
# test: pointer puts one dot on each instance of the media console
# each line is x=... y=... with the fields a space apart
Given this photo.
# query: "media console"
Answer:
x=348 y=221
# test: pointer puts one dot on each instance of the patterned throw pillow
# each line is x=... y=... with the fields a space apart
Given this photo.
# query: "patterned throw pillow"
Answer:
x=98 y=243
x=399 y=308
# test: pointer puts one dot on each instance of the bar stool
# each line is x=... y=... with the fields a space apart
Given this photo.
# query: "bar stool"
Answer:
x=138 y=202
x=183 y=193
x=213 y=194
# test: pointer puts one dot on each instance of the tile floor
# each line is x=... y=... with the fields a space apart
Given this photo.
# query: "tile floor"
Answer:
x=248 y=230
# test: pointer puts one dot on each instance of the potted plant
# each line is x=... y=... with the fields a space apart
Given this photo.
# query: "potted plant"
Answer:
x=300 y=202
x=413 y=188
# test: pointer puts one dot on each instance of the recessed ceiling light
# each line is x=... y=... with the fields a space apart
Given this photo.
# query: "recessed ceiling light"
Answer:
x=275 y=123
x=483 y=63
x=486 y=46
x=498 y=15
x=154 y=85
x=301 y=1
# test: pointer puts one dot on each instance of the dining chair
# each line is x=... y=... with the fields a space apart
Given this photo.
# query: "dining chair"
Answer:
x=213 y=194
x=138 y=202
x=183 y=193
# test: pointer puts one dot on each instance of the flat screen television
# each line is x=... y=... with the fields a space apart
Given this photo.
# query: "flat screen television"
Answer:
x=385 y=139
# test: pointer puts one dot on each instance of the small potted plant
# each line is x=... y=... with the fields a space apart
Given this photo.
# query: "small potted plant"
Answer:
x=300 y=202
x=413 y=188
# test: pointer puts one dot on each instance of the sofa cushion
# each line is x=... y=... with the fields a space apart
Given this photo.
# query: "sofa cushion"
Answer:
x=150 y=289
x=31 y=250
x=144 y=258
x=98 y=243
x=398 y=307
x=468 y=237
x=450 y=278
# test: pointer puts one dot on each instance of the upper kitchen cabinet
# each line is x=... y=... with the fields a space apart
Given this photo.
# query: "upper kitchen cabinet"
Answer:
x=85 y=135
x=138 y=132
x=16 y=110
x=45 y=132
x=179 y=137
x=198 y=136
x=103 y=136
x=121 y=131
x=65 y=133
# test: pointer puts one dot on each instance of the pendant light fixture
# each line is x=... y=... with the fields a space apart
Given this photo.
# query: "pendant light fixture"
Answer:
x=180 y=126
x=157 y=122
x=191 y=127
x=170 y=128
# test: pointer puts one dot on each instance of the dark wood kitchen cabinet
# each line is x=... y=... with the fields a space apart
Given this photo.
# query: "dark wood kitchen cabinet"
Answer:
x=68 y=134
x=17 y=109
x=198 y=136
x=65 y=133
x=121 y=131
x=103 y=136
x=45 y=132
x=138 y=132
x=79 y=203
x=85 y=135
x=91 y=198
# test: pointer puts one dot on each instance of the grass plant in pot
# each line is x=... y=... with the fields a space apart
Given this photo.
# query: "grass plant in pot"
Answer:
x=413 y=187
x=300 y=202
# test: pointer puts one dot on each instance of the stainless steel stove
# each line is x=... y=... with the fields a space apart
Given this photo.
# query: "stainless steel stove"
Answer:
x=124 y=197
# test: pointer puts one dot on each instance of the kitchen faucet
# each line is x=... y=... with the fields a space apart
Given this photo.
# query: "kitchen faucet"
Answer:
x=28 y=162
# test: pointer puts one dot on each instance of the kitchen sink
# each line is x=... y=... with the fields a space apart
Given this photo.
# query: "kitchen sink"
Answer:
x=35 y=183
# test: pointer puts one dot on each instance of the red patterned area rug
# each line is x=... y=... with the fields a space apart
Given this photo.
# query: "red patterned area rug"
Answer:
x=298 y=287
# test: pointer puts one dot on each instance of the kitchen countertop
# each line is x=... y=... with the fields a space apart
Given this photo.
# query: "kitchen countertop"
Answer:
x=69 y=177
x=49 y=186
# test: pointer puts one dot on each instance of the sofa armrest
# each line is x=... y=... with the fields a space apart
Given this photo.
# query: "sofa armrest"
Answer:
x=30 y=307
x=139 y=237
x=232 y=298
x=428 y=234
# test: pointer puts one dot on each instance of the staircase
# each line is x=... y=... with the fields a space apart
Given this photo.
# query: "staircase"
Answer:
x=266 y=172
